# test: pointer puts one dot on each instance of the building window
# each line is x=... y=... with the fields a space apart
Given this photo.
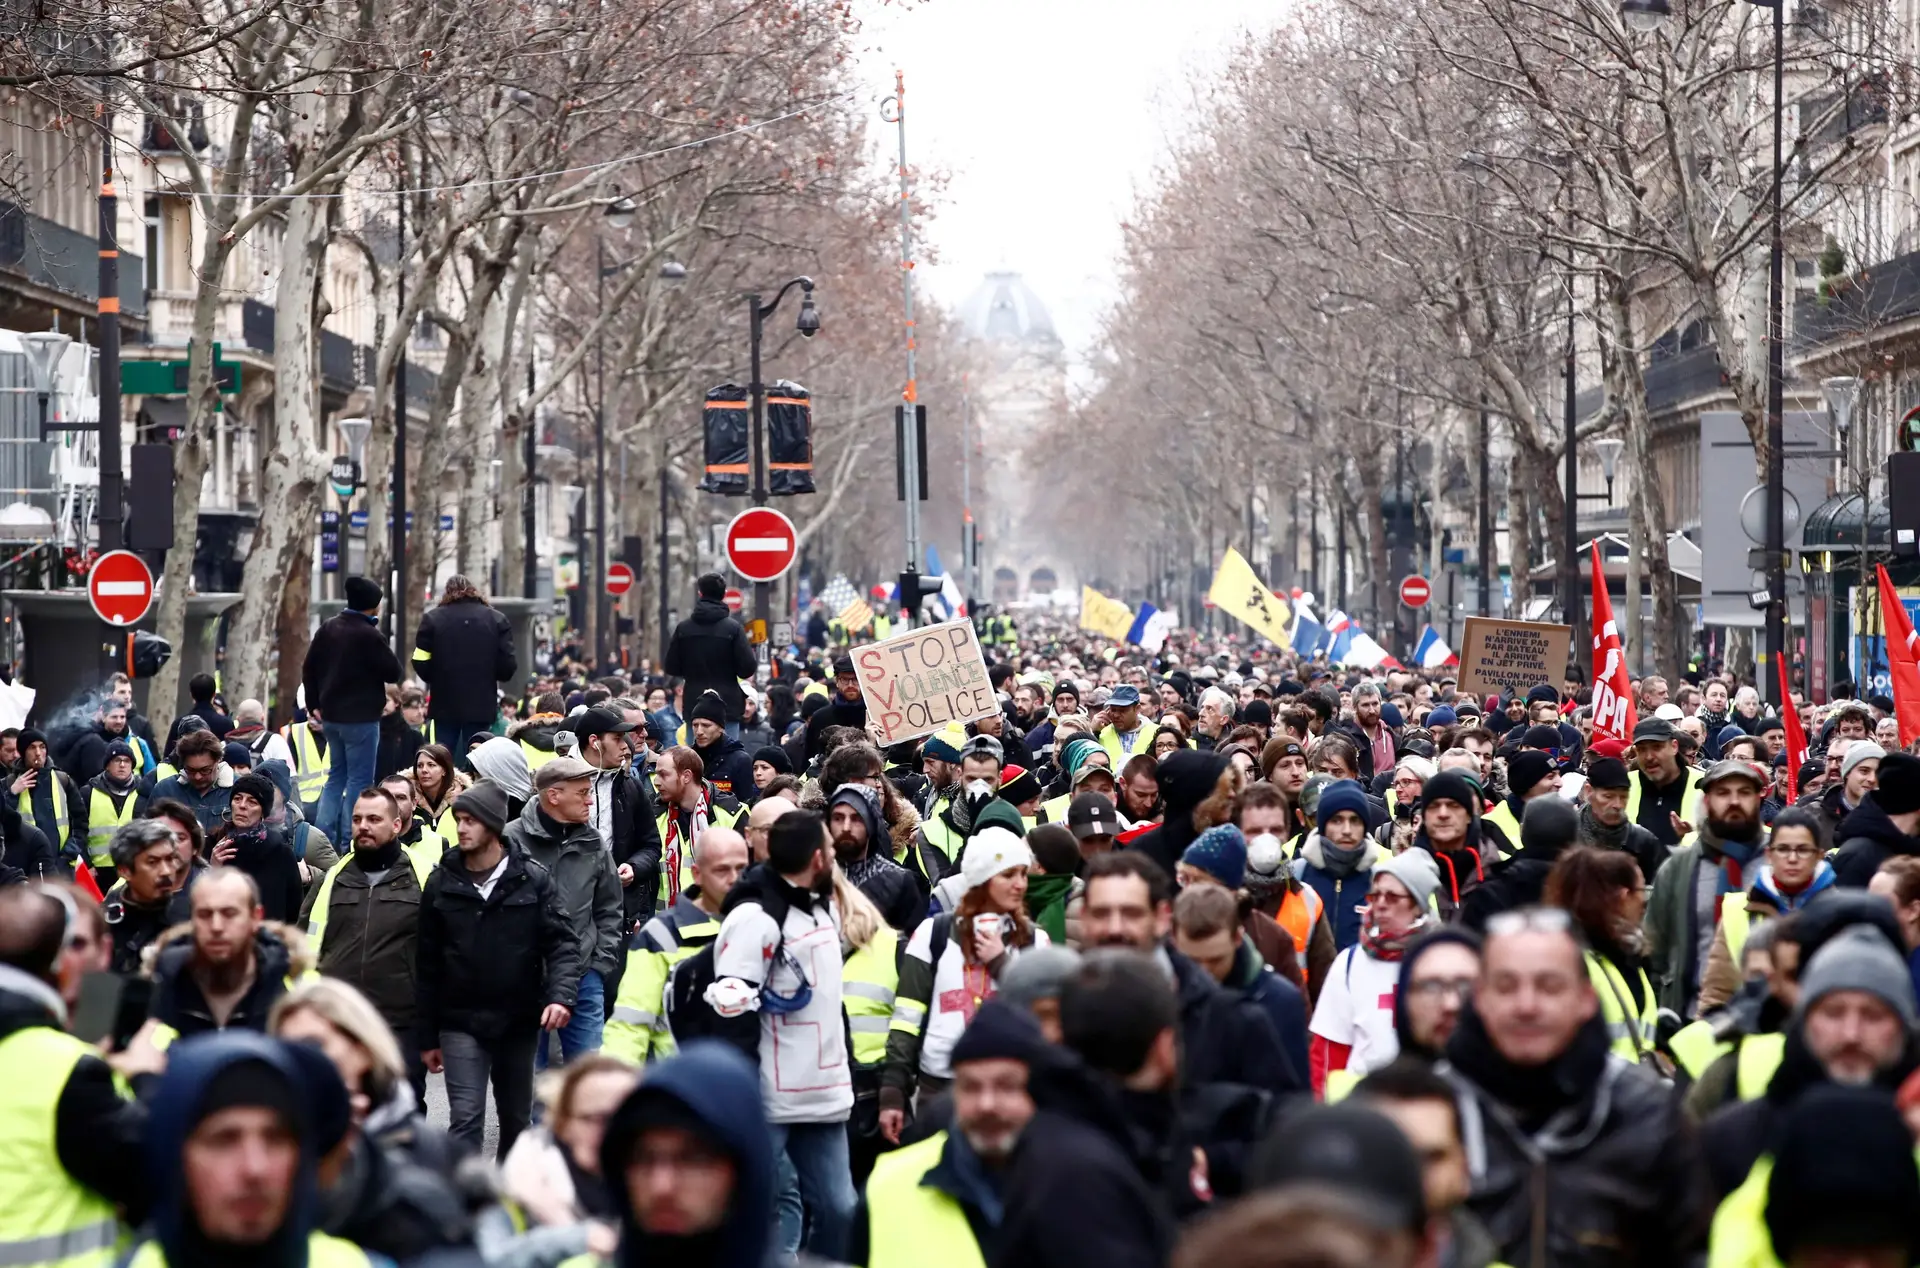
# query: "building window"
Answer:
x=154 y=241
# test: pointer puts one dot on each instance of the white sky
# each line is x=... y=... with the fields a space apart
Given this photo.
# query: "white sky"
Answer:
x=1047 y=117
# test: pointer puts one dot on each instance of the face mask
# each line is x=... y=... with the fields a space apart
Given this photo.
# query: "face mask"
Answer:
x=1263 y=853
x=979 y=790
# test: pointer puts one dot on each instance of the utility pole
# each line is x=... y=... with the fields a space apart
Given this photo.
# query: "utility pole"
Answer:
x=529 y=443
x=969 y=552
x=398 y=529
x=909 y=433
x=112 y=478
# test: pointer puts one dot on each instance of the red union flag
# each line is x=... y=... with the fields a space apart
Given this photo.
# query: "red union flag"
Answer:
x=1796 y=735
x=1613 y=712
x=1901 y=653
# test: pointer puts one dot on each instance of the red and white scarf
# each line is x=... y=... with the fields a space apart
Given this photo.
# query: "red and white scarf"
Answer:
x=671 y=847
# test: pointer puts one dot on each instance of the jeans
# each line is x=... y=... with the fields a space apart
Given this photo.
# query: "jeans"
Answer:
x=733 y=730
x=818 y=1152
x=470 y=1062
x=458 y=737
x=792 y=1212
x=352 y=749
x=582 y=1032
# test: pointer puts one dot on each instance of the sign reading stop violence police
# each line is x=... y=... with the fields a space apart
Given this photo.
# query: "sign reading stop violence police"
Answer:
x=917 y=682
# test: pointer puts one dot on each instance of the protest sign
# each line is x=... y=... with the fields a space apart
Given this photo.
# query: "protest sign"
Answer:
x=1512 y=656
x=918 y=682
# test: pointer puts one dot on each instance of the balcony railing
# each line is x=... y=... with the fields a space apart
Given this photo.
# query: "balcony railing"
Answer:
x=47 y=253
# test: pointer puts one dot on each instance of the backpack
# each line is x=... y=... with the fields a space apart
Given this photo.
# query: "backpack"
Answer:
x=689 y=1015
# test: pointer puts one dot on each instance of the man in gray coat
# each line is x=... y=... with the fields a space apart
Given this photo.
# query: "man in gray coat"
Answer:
x=553 y=831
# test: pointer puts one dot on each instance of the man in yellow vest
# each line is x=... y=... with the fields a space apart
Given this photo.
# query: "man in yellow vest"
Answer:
x=311 y=762
x=231 y=1159
x=938 y=1201
x=67 y=1133
x=1662 y=790
x=47 y=798
x=1125 y=732
x=637 y=1030
x=113 y=801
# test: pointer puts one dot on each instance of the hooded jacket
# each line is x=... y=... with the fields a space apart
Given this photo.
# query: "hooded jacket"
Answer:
x=712 y=1087
x=891 y=886
x=710 y=650
x=1227 y=1037
x=1869 y=839
x=280 y=955
x=729 y=768
x=1187 y=777
x=1285 y=1006
x=584 y=881
x=192 y=1069
x=348 y=666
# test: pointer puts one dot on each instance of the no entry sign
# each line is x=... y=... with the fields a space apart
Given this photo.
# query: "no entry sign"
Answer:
x=761 y=544
x=735 y=600
x=619 y=578
x=120 y=587
x=1415 y=591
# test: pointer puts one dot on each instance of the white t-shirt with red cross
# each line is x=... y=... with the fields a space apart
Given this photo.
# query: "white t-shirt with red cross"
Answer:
x=1355 y=1008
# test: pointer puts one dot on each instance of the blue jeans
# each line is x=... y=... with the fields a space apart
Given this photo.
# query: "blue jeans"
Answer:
x=458 y=737
x=818 y=1152
x=792 y=1212
x=581 y=1034
x=733 y=730
x=352 y=749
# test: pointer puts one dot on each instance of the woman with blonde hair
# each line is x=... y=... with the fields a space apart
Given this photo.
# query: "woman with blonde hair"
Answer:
x=552 y=1173
x=870 y=980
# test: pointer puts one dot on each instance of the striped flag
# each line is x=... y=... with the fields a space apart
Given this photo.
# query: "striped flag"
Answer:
x=845 y=603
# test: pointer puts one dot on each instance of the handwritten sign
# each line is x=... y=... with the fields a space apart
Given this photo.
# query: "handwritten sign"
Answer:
x=918 y=682
x=1512 y=656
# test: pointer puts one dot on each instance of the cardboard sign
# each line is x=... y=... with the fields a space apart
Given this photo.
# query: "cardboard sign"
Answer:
x=1512 y=656
x=918 y=682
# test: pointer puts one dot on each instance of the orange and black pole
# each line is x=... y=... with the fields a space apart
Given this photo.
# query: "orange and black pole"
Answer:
x=112 y=477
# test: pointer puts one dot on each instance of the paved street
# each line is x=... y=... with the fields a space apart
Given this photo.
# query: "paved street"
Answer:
x=437 y=1111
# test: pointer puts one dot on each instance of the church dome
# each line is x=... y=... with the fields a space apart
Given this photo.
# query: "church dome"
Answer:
x=1004 y=309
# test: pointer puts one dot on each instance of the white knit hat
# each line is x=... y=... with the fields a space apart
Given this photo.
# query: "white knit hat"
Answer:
x=991 y=851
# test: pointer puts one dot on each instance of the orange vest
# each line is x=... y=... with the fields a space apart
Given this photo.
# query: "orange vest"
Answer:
x=1297 y=915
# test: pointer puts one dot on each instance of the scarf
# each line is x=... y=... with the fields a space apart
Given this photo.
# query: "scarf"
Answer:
x=1592 y=830
x=862 y=869
x=1047 y=903
x=1389 y=947
x=1766 y=886
x=1340 y=860
x=1734 y=856
x=674 y=843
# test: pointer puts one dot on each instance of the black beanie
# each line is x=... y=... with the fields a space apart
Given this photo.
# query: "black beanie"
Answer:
x=774 y=756
x=1899 y=790
x=1549 y=825
x=256 y=786
x=1843 y=1174
x=1451 y=785
x=1608 y=772
x=1257 y=713
x=1527 y=768
x=31 y=735
x=487 y=802
x=708 y=707
x=363 y=595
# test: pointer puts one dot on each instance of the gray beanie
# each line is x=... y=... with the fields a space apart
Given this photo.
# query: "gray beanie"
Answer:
x=1859 y=959
x=1417 y=871
x=1037 y=973
x=1857 y=752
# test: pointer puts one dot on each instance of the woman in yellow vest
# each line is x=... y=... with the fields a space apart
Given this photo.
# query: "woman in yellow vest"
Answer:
x=869 y=978
x=1796 y=868
x=1607 y=897
x=436 y=782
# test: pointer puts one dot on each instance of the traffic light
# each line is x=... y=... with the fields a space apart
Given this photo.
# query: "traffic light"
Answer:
x=141 y=654
x=915 y=587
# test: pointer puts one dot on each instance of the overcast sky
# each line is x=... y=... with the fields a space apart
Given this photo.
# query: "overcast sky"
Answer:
x=1047 y=116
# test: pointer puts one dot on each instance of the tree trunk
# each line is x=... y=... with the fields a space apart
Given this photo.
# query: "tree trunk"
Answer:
x=291 y=630
x=1647 y=500
x=1519 y=533
x=1566 y=572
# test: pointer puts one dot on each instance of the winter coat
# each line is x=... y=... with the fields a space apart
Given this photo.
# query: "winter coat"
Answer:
x=388 y=1205
x=1611 y=1179
x=583 y=878
x=635 y=833
x=1342 y=895
x=1255 y=981
x=1672 y=923
x=271 y=862
x=399 y=745
x=1226 y=1038
x=134 y=927
x=28 y=848
x=1186 y=779
x=1087 y=1186
x=729 y=768
x=710 y=650
x=348 y=666
x=209 y=807
x=1722 y=975
x=487 y=966
x=372 y=937
x=462 y=650
x=280 y=957
x=1870 y=839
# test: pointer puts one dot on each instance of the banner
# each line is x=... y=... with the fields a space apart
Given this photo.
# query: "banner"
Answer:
x=1106 y=617
x=1796 y=735
x=1613 y=711
x=1238 y=591
x=1511 y=657
x=918 y=682
x=1900 y=659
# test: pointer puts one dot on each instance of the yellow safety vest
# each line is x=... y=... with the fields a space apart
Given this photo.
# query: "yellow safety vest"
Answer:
x=1509 y=822
x=49 y=1219
x=1735 y=920
x=942 y=837
x=1760 y=1056
x=1054 y=809
x=322 y=1252
x=1340 y=1085
x=102 y=822
x=417 y=856
x=718 y=817
x=536 y=757
x=165 y=770
x=637 y=1030
x=1109 y=739
x=869 y=980
x=911 y=1225
x=1689 y=799
x=310 y=765
x=1694 y=1048
x=62 y=821
x=882 y=628
x=1632 y=1034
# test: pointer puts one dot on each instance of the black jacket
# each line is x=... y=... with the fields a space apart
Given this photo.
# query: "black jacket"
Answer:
x=179 y=1003
x=461 y=651
x=710 y=650
x=1089 y=1186
x=270 y=860
x=1869 y=839
x=487 y=966
x=349 y=664
x=1187 y=778
x=837 y=712
x=28 y=848
x=636 y=841
x=134 y=927
x=1587 y=1163
x=97 y=1132
x=399 y=744
x=390 y=1206
x=1225 y=1037
x=729 y=768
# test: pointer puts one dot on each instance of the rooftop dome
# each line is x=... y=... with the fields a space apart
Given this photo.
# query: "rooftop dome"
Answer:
x=1004 y=309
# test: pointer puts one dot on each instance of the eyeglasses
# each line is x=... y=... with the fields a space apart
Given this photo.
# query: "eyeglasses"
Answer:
x=1529 y=920
x=1434 y=987
x=1795 y=851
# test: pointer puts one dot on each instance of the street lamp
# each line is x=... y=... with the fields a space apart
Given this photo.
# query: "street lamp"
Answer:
x=808 y=325
x=43 y=349
x=1842 y=393
x=1645 y=15
x=620 y=213
x=1609 y=451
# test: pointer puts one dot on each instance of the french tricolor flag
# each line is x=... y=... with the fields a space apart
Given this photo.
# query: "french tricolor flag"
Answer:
x=1339 y=636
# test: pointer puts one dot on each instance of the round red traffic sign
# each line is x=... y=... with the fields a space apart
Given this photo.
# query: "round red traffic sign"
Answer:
x=120 y=587
x=735 y=600
x=761 y=544
x=1415 y=591
x=619 y=578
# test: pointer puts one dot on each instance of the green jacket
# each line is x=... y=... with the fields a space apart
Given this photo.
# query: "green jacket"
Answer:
x=1671 y=933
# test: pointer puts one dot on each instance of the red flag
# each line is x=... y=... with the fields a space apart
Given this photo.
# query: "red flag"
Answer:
x=1901 y=652
x=84 y=881
x=1613 y=711
x=1796 y=736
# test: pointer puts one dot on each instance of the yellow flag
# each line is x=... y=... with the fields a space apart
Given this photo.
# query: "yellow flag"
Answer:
x=1238 y=590
x=1109 y=618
